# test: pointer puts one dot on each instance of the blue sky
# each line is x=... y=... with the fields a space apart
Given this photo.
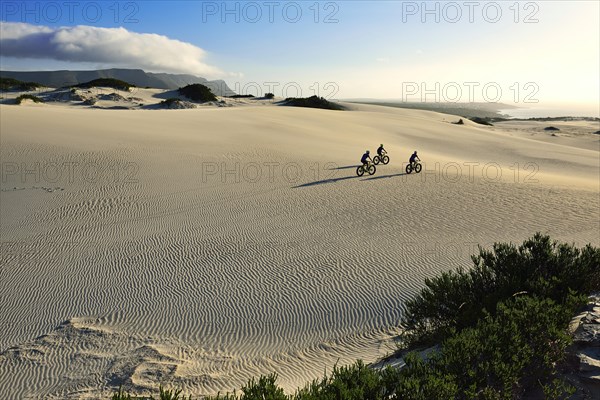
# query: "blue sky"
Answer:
x=545 y=50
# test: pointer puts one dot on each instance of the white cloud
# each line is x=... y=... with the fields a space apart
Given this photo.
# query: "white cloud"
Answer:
x=237 y=75
x=116 y=47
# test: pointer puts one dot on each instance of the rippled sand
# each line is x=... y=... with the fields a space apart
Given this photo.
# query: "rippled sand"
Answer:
x=199 y=248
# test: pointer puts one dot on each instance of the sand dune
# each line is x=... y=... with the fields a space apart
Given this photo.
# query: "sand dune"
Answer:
x=108 y=98
x=202 y=247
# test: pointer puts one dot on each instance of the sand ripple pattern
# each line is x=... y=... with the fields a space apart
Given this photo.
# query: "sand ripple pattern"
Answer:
x=204 y=283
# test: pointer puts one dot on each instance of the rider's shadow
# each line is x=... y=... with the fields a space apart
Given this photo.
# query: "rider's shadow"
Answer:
x=330 y=180
x=384 y=176
x=346 y=167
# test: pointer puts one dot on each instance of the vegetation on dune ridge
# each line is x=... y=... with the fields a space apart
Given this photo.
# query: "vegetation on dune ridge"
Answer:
x=312 y=102
x=170 y=101
x=501 y=330
x=106 y=82
x=15 y=84
x=163 y=395
x=482 y=121
x=241 y=96
x=22 y=97
x=267 y=96
x=197 y=92
x=175 y=103
x=458 y=299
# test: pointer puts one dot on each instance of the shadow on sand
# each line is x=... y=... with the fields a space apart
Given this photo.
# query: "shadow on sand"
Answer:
x=384 y=176
x=346 y=167
x=169 y=94
x=331 y=180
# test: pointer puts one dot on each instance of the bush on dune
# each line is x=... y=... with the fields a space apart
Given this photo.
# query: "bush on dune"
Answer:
x=458 y=299
x=501 y=357
x=164 y=395
x=356 y=381
x=482 y=121
x=170 y=101
x=22 y=97
x=197 y=92
x=241 y=96
x=312 y=102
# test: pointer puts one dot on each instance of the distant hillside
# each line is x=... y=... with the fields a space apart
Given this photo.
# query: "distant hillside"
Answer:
x=136 y=77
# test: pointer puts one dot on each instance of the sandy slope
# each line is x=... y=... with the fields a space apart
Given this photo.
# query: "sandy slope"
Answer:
x=202 y=247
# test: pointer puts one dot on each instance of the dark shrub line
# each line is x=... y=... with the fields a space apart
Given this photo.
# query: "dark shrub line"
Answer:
x=15 y=84
x=22 y=97
x=312 y=102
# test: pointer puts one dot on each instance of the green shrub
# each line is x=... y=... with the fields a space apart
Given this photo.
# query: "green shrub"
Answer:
x=121 y=395
x=312 y=102
x=501 y=357
x=269 y=96
x=482 y=121
x=170 y=101
x=197 y=92
x=458 y=299
x=22 y=97
x=420 y=380
x=264 y=389
x=170 y=395
x=163 y=395
x=356 y=381
x=241 y=96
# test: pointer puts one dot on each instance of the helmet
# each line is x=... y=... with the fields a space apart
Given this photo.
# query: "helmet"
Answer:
x=415 y=152
x=381 y=144
x=368 y=151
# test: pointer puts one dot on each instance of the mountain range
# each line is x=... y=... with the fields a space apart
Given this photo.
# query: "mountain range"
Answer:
x=137 y=77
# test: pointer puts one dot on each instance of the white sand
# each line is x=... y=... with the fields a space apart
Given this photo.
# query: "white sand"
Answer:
x=139 y=259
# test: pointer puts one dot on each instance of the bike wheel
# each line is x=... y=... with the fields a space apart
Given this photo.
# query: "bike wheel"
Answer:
x=372 y=169
x=418 y=168
x=408 y=169
x=385 y=160
x=376 y=160
x=360 y=171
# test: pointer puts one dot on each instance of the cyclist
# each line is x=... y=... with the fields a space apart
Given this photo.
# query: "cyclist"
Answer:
x=366 y=157
x=414 y=157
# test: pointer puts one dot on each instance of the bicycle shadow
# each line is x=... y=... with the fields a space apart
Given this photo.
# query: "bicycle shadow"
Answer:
x=324 y=181
x=384 y=176
x=346 y=167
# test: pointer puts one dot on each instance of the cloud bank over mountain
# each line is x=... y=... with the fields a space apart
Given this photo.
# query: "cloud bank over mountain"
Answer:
x=116 y=47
